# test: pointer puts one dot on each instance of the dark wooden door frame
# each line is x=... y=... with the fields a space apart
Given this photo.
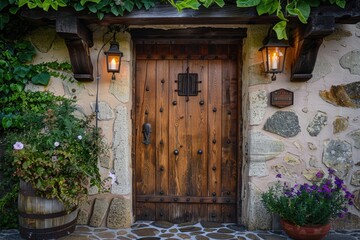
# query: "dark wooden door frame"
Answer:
x=193 y=36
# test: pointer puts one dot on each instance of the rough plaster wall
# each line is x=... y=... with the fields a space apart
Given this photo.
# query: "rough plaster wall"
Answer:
x=302 y=155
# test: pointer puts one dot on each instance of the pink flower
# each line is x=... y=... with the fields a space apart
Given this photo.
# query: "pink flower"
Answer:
x=18 y=146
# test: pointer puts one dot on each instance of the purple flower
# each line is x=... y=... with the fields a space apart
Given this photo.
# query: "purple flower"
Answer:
x=331 y=171
x=338 y=182
x=278 y=175
x=341 y=215
x=319 y=174
x=18 y=146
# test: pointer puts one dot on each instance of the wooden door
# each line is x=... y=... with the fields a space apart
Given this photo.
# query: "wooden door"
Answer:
x=186 y=139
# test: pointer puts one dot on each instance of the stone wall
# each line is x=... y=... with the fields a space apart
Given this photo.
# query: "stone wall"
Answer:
x=321 y=129
x=113 y=207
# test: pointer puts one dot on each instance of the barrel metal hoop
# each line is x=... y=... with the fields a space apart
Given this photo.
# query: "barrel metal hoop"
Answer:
x=48 y=215
x=48 y=233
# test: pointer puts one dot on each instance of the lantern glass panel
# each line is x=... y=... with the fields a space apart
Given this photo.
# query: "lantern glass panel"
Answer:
x=113 y=62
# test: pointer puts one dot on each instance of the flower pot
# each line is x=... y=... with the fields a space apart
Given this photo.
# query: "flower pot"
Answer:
x=41 y=218
x=313 y=232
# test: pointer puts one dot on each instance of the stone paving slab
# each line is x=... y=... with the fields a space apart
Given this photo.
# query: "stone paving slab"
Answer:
x=147 y=230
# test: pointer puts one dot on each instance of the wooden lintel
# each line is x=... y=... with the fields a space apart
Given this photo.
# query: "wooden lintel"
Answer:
x=78 y=39
x=306 y=42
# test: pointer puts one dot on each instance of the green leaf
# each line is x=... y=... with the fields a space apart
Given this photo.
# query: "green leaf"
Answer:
x=267 y=6
x=247 y=3
x=93 y=8
x=192 y=4
x=21 y=71
x=61 y=3
x=129 y=5
x=114 y=10
x=100 y=15
x=280 y=29
x=22 y=2
x=16 y=87
x=41 y=79
x=31 y=5
x=313 y=3
x=46 y=5
x=54 y=5
x=14 y=10
x=78 y=7
x=6 y=122
x=303 y=10
x=341 y=3
x=220 y=3
x=280 y=15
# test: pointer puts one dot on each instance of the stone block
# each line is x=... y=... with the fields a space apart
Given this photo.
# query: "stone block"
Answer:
x=41 y=43
x=292 y=159
x=340 y=124
x=280 y=169
x=317 y=123
x=105 y=111
x=258 y=218
x=257 y=76
x=350 y=221
x=73 y=89
x=313 y=161
x=119 y=213
x=357 y=199
x=351 y=61
x=343 y=95
x=263 y=147
x=338 y=156
x=312 y=146
x=283 y=123
x=355 y=178
x=99 y=212
x=257 y=105
x=322 y=69
x=120 y=88
x=338 y=34
x=310 y=174
x=355 y=136
x=105 y=161
x=83 y=217
x=258 y=169
x=121 y=146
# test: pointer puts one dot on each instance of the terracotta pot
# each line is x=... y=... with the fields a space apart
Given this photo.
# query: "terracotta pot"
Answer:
x=314 y=232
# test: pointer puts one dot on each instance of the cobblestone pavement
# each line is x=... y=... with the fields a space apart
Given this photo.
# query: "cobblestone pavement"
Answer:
x=165 y=230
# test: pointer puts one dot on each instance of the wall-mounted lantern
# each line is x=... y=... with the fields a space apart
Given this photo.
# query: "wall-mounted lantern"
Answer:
x=113 y=58
x=273 y=54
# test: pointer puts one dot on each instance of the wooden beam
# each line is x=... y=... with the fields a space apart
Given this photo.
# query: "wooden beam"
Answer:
x=306 y=42
x=78 y=39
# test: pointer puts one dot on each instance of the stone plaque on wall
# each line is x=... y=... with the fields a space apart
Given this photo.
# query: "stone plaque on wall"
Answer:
x=281 y=98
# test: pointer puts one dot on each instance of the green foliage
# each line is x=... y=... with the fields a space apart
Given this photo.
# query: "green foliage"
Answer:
x=16 y=72
x=309 y=204
x=56 y=152
x=293 y=8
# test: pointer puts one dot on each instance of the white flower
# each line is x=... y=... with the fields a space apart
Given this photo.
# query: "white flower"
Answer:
x=18 y=146
x=54 y=158
x=56 y=144
x=113 y=177
x=79 y=137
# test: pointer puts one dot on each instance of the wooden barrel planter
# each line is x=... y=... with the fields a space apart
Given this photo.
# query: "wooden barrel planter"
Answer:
x=41 y=218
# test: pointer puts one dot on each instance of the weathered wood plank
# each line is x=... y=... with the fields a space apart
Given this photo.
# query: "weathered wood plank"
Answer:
x=145 y=112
